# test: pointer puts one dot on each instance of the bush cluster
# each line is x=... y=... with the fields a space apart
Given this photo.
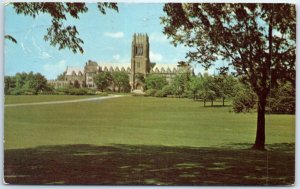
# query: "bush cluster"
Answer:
x=244 y=101
x=75 y=91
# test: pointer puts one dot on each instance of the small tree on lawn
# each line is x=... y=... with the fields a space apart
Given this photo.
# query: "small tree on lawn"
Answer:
x=121 y=80
x=195 y=86
x=208 y=89
x=103 y=80
x=226 y=85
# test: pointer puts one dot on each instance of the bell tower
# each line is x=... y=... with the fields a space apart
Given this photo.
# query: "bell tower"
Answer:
x=140 y=62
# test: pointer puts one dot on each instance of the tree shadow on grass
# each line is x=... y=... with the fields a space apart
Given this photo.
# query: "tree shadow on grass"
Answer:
x=150 y=165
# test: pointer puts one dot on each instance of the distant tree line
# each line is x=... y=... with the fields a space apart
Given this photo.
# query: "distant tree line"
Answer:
x=26 y=83
x=206 y=88
x=209 y=88
x=35 y=83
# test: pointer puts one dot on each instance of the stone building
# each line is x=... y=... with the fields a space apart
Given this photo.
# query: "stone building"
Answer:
x=140 y=66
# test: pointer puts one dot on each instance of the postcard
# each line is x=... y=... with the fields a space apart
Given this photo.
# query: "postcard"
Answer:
x=149 y=93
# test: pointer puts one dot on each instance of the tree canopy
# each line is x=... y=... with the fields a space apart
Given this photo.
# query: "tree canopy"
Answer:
x=103 y=80
x=257 y=40
x=155 y=81
x=121 y=80
x=25 y=83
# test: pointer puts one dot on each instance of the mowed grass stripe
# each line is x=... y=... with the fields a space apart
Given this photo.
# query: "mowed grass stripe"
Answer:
x=138 y=120
x=12 y=99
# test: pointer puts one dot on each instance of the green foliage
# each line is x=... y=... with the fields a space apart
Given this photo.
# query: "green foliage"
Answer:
x=167 y=90
x=282 y=99
x=258 y=40
x=77 y=91
x=244 y=101
x=22 y=91
x=140 y=77
x=103 y=80
x=59 y=33
x=9 y=84
x=151 y=92
x=195 y=86
x=225 y=86
x=121 y=80
x=101 y=93
x=71 y=90
x=160 y=93
x=25 y=83
x=155 y=81
x=208 y=88
x=61 y=77
x=180 y=83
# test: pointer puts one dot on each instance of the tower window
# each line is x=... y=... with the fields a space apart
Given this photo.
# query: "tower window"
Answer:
x=138 y=65
x=139 y=51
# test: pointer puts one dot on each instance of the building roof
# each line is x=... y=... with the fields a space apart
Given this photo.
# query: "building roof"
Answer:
x=70 y=70
x=165 y=69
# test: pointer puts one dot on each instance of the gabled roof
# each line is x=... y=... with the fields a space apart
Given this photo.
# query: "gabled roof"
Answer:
x=76 y=70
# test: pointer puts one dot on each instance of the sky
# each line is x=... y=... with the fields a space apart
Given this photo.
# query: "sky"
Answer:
x=107 y=40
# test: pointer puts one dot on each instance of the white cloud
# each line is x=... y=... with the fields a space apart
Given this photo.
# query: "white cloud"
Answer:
x=52 y=70
x=114 y=34
x=116 y=57
x=155 y=57
x=45 y=55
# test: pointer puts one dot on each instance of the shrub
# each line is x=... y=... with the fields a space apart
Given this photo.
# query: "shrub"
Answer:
x=76 y=91
x=101 y=93
x=91 y=91
x=244 y=101
x=150 y=92
x=282 y=99
x=160 y=93
x=23 y=92
x=168 y=90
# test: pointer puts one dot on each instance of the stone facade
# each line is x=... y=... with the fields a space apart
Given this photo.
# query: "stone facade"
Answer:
x=140 y=67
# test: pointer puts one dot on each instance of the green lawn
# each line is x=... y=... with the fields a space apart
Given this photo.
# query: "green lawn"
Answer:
x=12 y=99
x=151 y=137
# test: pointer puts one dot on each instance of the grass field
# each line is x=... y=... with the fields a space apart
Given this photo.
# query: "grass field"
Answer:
x=139 y=140
x=11 y=99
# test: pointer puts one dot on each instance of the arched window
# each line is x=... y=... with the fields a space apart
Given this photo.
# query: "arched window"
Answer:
x=139 y=50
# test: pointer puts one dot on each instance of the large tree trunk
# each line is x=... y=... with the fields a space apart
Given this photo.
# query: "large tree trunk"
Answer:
x=212 y=102
x=204 y=102
x=223 y=101
x=260 y=132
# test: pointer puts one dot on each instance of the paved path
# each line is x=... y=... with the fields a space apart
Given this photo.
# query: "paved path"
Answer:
x=63 y=101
